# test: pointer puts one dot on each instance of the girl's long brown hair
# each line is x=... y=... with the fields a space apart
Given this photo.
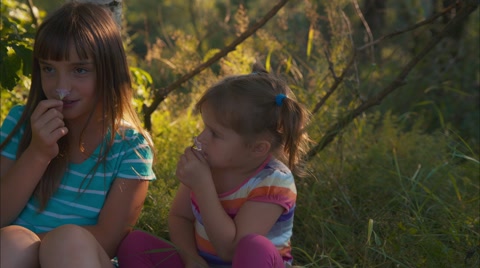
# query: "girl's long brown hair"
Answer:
x=92 y=31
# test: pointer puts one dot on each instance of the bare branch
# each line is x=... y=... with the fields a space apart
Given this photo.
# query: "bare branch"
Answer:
x=333 y=131
x=350 y=35
x=330 y=64
x=367 y=27
x=337 y=81
x=32 y=13
x=161 y=94
x=411 y=28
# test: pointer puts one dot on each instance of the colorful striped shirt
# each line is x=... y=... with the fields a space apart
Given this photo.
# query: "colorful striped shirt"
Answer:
x=272 y=183
x=79 y=200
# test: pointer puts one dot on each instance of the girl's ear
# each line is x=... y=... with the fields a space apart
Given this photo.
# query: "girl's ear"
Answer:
x=261 y=147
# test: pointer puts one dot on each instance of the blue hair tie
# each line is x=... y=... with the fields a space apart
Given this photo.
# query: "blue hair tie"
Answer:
x=279 y=99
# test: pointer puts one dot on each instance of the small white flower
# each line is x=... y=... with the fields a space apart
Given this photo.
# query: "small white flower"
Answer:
x=62 y=93
x=197 y=145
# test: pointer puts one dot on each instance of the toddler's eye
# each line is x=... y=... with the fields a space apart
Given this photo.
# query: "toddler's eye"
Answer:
x=214 y=134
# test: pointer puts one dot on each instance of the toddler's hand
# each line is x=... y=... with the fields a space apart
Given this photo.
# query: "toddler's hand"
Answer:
x=193 y=170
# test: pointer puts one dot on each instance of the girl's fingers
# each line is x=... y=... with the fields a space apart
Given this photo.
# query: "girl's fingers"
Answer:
x=198 y=155
x=182 y=159
x=59 y=132
x=187 y=153
x=47 y=105
x=193 y=154
x=54 y=129
x=47 y=124
x=54 y=124
x=46 y=114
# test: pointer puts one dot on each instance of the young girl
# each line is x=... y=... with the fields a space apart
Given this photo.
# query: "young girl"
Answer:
x=75 y=161
x=236 y=199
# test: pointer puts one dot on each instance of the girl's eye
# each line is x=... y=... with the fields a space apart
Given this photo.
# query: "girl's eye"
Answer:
x=47 y=69
x=214 y=134
x=81 y=70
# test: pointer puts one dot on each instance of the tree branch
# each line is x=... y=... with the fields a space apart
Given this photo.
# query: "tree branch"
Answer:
x=32 y=13
x=336 y=83
x=367 y=27
x=332 y=131
x=411 y=28
x=161 y=94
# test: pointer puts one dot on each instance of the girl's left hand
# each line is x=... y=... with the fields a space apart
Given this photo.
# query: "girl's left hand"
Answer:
x=193 y=169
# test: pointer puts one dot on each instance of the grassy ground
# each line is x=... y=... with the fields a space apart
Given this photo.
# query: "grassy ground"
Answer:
x=376 y=197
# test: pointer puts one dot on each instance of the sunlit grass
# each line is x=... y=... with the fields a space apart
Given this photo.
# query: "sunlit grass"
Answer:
x=379 y=197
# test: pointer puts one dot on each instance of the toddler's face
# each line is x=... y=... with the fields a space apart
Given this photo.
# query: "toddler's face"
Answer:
x=221 y=146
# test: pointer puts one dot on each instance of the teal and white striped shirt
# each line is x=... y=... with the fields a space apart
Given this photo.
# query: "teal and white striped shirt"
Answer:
x=79 y=200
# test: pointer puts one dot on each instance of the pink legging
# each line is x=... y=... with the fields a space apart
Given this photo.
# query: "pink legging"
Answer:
x=142 y=250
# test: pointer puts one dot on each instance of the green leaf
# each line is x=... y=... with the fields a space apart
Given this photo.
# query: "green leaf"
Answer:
x=8 y=69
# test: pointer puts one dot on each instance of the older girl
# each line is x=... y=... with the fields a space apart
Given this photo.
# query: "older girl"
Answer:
x=75 y=161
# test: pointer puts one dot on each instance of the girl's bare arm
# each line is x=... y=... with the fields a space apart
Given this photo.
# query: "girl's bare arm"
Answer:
x=180 y=224
x=18 y=178
x=120 y=213
x=225 y=233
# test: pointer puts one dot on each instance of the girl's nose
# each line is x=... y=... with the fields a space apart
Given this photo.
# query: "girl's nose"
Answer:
x=63 y=82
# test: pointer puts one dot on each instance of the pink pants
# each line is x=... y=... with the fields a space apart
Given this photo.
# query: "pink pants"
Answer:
x=142 y=250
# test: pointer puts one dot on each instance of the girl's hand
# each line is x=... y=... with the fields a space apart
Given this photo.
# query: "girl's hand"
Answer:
x=193 y=170
x=47 y=128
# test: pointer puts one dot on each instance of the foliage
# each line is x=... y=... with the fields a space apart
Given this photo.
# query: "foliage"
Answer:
x=385 y=196
x=17 y=31
x=172 y=135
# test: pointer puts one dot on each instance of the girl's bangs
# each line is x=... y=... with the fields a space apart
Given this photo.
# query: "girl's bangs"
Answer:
x=56 y=45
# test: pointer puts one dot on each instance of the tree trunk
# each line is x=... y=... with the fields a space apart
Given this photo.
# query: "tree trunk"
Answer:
x=114 y=5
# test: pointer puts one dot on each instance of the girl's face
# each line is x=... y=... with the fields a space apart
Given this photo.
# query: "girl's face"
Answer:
x=72 y=81
x=222 y=147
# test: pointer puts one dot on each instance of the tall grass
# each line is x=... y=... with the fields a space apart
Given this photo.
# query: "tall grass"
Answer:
x=378 y=196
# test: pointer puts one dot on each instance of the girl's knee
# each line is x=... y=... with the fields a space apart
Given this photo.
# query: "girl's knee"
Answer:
x=255 y=242
x=70 y=244
x=67 y=237
x=130 y=242
x=135 y=235
x=139 y=241
x=19 y=247
x=14 y=233
x=256 y=251
x=141 y=249
x=71 y=230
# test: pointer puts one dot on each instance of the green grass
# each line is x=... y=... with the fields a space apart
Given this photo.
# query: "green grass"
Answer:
x=376 y=197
